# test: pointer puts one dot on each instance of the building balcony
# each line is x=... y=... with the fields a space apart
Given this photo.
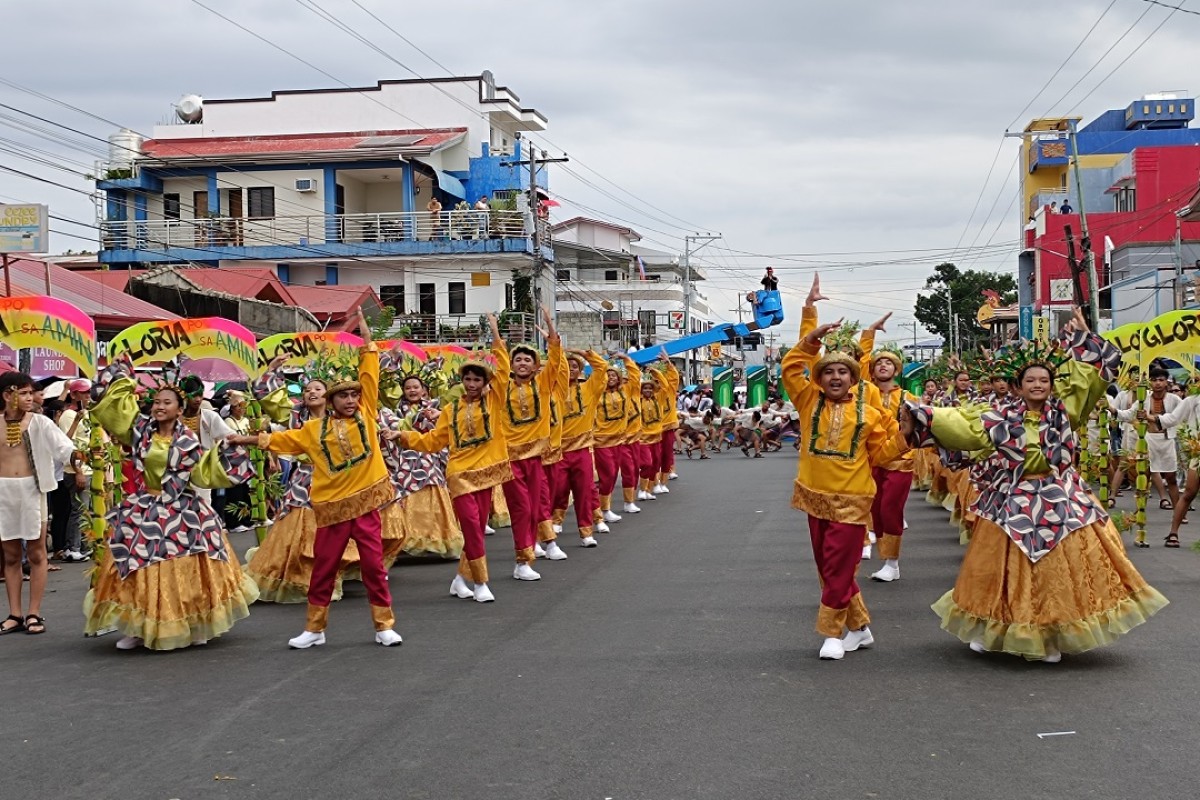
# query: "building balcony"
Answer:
x=407 y=233
x=461 y=329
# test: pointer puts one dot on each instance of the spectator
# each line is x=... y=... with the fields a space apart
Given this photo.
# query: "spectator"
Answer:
x=483 y=217
x=769 y=282
x=1065 y=208
x=434 y=207
x=237 y=498
x=1054 y=207
x=68 y=499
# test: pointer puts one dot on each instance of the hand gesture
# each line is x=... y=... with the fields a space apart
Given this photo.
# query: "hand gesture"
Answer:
x=494 y=324
x=1078 y=320
x=364 y=328
x=814 y=293
x=662 y=354
x=277 y=362
x=822 y=331
x=878 y=324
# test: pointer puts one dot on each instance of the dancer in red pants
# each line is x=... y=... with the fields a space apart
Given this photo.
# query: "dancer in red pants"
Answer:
x=577 y=475
x=613 y=411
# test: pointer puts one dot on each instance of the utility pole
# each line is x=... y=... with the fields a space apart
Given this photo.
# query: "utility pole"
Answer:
x=950 y=316
x=534 y=163
x=914 y=326
x=706 y=240
x=1085 y=240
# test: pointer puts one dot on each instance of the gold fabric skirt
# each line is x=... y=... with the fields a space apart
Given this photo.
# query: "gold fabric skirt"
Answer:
x=1083 y=594
x=939 y=488
x=282 y=565
x=924 y=460
x=500 y=517
x=431 y=524
x=170 y=604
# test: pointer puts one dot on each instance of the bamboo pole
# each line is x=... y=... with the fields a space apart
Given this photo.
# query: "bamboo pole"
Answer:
x=1105 y=436
x=1142 y=460
x=258 y=484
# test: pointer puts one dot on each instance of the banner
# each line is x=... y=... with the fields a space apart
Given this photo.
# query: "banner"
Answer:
x=1128 y=339
x=1174 y=335
x=204 y=337
x=408 y=348
x=50 y=323
x=302 y=348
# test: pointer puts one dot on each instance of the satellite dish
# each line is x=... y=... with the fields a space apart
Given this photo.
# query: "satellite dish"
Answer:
x=190 y=109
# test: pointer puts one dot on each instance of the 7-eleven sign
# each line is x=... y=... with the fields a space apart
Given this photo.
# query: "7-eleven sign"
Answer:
x=675 y=320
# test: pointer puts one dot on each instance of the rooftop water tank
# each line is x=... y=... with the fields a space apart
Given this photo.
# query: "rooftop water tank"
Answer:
x=124 y=148
x=190 y=109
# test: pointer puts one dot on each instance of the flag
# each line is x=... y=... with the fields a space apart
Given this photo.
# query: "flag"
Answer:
x=641 y=267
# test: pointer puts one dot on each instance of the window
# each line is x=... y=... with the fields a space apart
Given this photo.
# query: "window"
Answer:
x=647 y=321
x=170 y=206
x=562 y=274
x=261 y=200
x=458 y=298
x=611 y=275
x=392 y=296
x=1171 y=108
x=427 y=298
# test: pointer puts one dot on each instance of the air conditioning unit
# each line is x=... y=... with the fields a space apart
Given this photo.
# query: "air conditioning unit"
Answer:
x=306 y=185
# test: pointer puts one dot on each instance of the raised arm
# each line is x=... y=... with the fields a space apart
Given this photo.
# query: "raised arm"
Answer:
x=433 y=441
x=796 y=369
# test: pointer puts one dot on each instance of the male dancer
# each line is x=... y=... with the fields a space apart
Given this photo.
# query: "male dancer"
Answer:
x=893 y=481
x=578 y=467
x=350 y=485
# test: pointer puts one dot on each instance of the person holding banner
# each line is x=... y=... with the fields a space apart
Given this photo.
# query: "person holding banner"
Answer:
x=1186 y=417
x=169 y=577
x=1045 y=572
x=1160 y=441
x=349 y=487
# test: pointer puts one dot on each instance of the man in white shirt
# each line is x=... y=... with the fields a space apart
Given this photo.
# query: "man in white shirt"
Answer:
x=1159 y=441
x=204 y=422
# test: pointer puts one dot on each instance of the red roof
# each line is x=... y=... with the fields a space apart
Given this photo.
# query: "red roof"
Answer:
x=111 y=308
x=255 y=283
x=117 y=279
x=365 y=143
x=334 y=305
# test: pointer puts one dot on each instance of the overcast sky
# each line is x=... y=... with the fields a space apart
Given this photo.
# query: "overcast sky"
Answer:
x=797 y=129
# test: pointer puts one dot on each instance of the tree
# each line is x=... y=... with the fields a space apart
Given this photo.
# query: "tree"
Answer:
x=966 y=290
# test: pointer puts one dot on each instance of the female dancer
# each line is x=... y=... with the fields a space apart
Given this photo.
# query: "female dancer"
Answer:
x=169 y=577
x=1045 y=572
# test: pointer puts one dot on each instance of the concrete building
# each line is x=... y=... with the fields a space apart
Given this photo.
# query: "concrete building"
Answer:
x=1137 y=169
x=338 y=187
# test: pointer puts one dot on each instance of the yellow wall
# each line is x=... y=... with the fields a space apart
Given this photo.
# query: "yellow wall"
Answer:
x=1050 y=178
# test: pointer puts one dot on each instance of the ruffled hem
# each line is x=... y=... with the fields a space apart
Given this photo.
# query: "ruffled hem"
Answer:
x=1030 y=640
x=282 y=565
x=189 y=603
x=431 y=524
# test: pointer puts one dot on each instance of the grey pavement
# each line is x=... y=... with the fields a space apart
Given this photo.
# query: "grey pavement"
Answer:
x=677 y=660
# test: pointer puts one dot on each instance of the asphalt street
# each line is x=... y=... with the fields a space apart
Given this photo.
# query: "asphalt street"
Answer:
x=677 y=660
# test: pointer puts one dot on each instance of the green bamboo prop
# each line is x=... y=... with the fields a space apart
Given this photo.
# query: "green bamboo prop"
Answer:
x=1143 y=470
x=1085 y=454
x=1102 y=424
x=99 y=505
x=258 y=484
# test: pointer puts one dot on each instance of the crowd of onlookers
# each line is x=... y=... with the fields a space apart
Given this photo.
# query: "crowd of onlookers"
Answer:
x=705 y=427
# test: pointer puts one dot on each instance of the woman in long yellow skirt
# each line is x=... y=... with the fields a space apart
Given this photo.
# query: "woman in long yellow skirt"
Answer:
x=1045 y=572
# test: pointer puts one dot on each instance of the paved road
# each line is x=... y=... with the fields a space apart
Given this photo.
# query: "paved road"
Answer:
x=675 y=661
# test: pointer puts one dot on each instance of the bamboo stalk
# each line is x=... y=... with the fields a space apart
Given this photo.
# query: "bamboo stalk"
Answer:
x=258 y=488
x=1143 y=469
x=1102 y=424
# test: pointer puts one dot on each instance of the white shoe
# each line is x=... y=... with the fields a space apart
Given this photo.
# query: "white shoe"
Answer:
x=673 y=476
x=524 y=572
x=856 y=639
x=388 y=638
x=588 y=541
x=649 y=496
x=129 y=642
x=539 y=551
x=642 y=495
x=871 y=537
x=488 y=530
x=660 y=489
x=602 y=527
x=483 y=594
x=905 y=525
x=630 y=508
x=866 y=554
x=977 y=646
x=557 y=529
x=76 y=556
x=1052 y=657
x=890 y=572
x=306 y=640
x=609 y=516
x=460 y=588
x=554 y=552
x=832 y=650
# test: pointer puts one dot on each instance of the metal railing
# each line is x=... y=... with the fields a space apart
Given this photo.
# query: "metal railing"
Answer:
x=463 y=329
x=384 y=227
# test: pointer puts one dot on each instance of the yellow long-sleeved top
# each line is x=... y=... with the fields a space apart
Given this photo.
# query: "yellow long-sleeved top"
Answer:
x=525 y=411
x=478 y=453
x=633 y=397
x=670 y=397
x=583 y=397
x=554 y=451
x=840 y=443
x=893 y=401
x=652 y=417
x=350 y=477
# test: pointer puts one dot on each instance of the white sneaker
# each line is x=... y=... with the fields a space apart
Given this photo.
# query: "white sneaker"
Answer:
x=649 y=496
x=129 y=642
x=524 y=572
x=609 y=516
x=890 y=572
x=977 y=646
x=832 y=650
x=588 y=541
x=557 y=529
x=866 y=554
x=539 y=551
x=905 y=525
x=306 y=640
x=388 y=638
x=871 y=537
x=856 y=639
x=488 y=530
x=1052 y=657
x=630 y=508
x=660 y=489
x=554 y=552
x=460 y=588
x=643 y=495
x=602 y=527
x=75 y=556
x=673 y=476
x=483 y=594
